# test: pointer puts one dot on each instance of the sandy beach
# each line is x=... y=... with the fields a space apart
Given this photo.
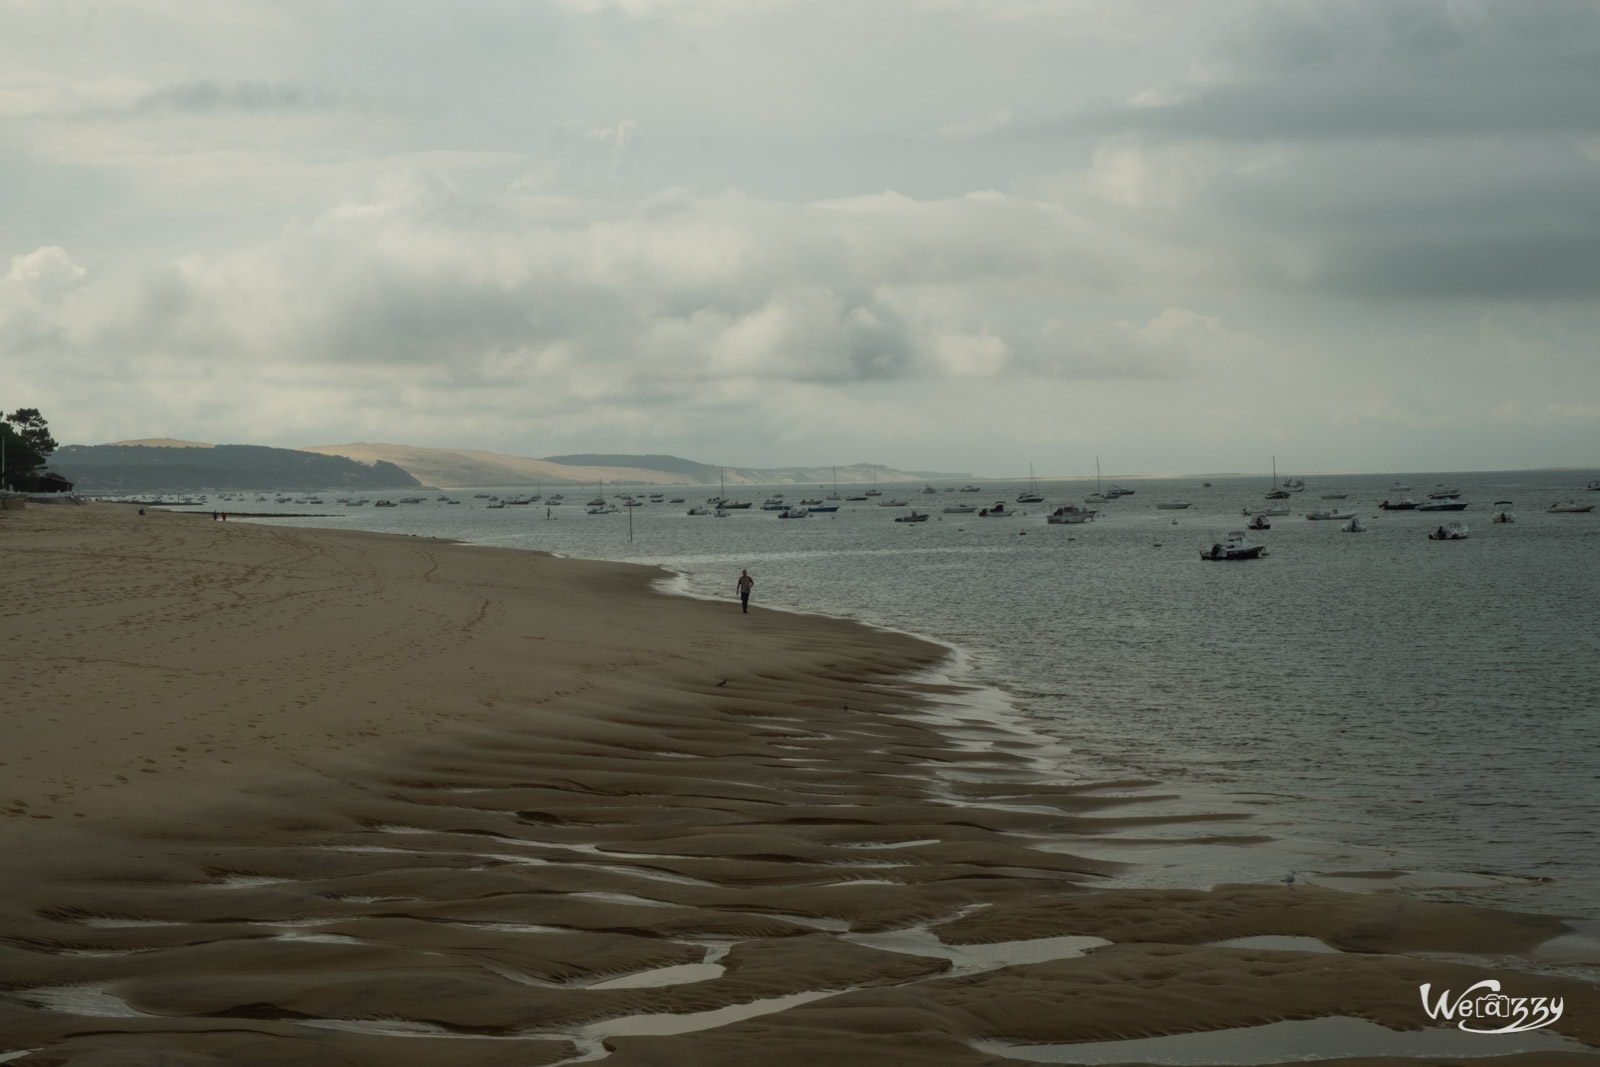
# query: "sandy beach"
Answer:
x=278 y=796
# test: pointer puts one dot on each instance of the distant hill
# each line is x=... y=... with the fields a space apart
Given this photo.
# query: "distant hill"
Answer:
x=188 y=466
x=466 y=469
x=164 y=442
x=453 y=468
x=701 y=473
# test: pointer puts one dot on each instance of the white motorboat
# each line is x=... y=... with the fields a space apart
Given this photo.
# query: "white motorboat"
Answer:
x=960 y=509
x=1450 y=531
x=1503 y=516
x=1442 y=493
x=795 y=513
x=1070 y=515
x=893 y=504
x=913 y=517
x=1329 y=513
x=1569 y=508
x=697 y=510
x=1258 y=523
x=1594 y=487
x=971 y=489
x=1236 y=545
x=1173 y=505
x=1355 y=525
x=1447 y=503
x=995 y=511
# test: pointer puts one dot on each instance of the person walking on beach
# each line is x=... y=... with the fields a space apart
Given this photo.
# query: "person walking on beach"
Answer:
x=744 y=585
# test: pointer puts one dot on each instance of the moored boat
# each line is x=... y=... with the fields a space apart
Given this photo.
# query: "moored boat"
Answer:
x=1236 y=545
x=913 y=517
x=1070 y=515
x=1571 y=507
x=1450 y=531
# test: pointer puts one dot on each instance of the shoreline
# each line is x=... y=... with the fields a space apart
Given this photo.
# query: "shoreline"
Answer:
x=563 y=798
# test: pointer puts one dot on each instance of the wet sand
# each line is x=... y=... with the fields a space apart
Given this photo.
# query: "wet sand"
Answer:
x=278 y=796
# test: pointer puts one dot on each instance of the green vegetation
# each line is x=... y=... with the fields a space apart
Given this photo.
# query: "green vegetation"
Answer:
x=147 y=469
x=27 y=445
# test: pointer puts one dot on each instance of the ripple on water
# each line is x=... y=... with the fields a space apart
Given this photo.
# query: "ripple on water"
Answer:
x=1334 y=1037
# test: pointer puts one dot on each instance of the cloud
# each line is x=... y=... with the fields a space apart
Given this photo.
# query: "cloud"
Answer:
x=46 y=271
x=415 y=290
x=242 y=96
x=996 y=121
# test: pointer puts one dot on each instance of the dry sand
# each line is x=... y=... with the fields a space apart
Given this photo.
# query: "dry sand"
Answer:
x=277 y=796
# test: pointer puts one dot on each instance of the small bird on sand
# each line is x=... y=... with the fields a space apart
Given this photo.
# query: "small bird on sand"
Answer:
x=1288 y=879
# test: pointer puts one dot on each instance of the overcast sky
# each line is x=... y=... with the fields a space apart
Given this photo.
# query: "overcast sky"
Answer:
x=952 y=234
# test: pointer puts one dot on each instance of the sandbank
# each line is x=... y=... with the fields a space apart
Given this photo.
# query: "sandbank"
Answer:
x=279 y=796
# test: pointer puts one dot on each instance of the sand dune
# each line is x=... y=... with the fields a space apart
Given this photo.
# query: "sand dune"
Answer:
x=457 y=468
x=287 y=797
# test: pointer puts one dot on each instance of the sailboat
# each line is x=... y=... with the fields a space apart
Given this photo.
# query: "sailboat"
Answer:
x=874 y=491
x=833 y=497
x=1099 y=494
x=1030 y=495
x=1276 y=493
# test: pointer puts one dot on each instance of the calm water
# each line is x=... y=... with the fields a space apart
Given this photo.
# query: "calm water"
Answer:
x=1377 y=700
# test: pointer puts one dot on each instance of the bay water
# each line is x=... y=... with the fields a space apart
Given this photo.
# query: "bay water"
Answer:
x=1350 y=703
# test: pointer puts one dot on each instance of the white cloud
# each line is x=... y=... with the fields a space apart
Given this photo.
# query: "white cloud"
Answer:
x=47 y=271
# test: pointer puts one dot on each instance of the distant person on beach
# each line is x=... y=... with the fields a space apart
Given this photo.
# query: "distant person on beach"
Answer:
x=744 y=585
